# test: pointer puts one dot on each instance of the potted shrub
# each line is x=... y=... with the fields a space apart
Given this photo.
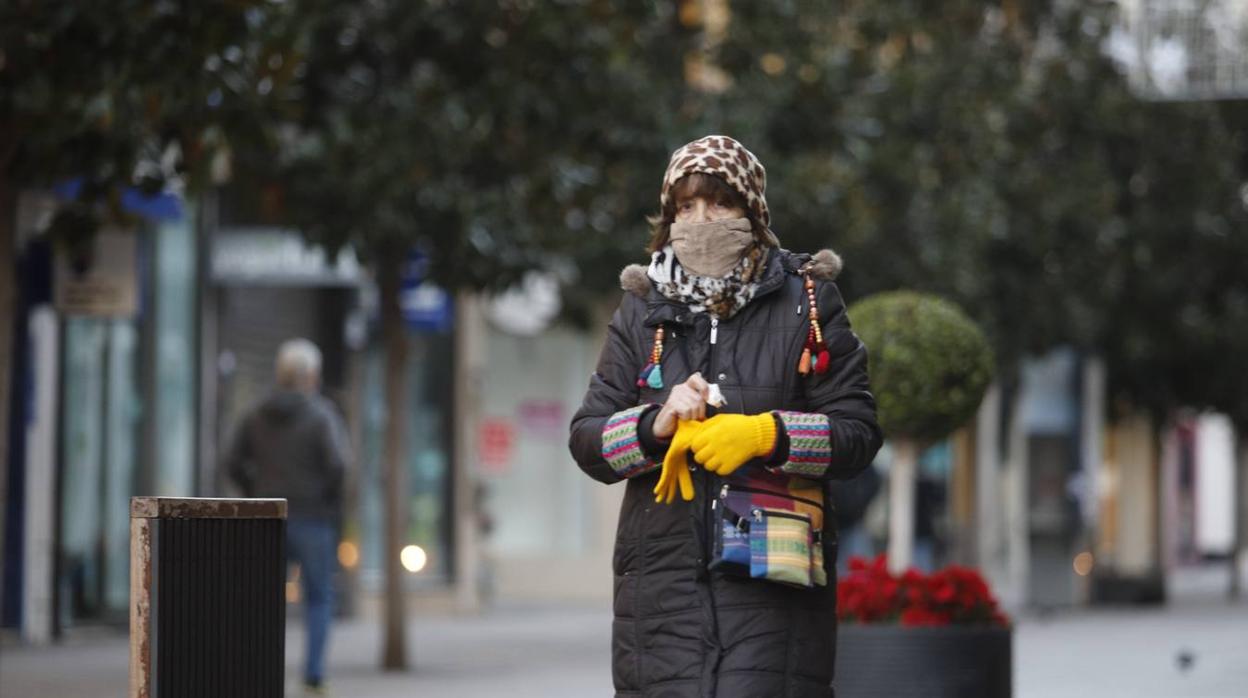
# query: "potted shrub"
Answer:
x=903 y=633
x=930 y=366
x=914 y=634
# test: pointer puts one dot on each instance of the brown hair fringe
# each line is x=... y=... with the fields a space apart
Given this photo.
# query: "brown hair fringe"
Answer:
x=707 y=186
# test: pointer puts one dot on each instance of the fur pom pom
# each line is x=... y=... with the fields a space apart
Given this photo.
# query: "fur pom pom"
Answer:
x=825 y=265
x=634 y=280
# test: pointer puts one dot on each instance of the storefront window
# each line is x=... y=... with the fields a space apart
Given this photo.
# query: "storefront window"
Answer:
x=546 y=381
x=175 y=337
x=100 y=447
x=426 y=460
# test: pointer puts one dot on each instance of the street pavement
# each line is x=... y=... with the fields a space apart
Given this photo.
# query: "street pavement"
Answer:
x=1196 y=647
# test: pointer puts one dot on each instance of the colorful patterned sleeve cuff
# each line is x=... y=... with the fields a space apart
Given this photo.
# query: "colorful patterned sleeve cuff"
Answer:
x=620 y=446
x=810 y=443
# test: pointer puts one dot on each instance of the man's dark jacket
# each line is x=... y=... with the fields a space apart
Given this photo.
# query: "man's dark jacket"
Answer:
x=292 y=445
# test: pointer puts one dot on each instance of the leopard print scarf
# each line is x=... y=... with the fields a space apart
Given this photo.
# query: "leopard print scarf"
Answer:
x=721 y=298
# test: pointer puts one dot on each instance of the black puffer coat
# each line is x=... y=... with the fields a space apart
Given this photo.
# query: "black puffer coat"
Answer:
x=679 y=630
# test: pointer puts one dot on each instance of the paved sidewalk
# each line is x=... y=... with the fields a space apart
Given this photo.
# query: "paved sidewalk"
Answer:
x=553 y=652
x=520 y=652
x=1135 y=653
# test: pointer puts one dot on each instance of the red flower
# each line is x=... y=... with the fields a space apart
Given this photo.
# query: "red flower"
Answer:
x=957 y=595
x=879 y=565
x=915 y=617
x=915 y=595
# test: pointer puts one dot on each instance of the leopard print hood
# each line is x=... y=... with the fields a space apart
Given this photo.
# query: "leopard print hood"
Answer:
x=727 y=159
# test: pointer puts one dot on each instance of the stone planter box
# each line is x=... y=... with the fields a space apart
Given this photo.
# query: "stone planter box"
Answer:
x=879 y=661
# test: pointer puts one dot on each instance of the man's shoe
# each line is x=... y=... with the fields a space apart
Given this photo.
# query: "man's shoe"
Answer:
x=315 y=688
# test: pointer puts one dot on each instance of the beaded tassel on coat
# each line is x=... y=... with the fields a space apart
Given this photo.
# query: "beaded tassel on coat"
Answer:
x=815 y=354
x=652 y=374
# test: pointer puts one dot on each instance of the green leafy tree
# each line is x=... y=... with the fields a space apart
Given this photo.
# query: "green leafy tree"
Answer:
x=497 y=137
x=984 y=150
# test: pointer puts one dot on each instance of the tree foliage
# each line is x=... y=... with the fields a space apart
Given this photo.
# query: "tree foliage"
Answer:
x=499 y=136
x=991 y=152
x=930 y=363
x=137 y=92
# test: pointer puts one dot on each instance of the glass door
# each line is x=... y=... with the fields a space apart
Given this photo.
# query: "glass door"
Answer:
x=99 y=454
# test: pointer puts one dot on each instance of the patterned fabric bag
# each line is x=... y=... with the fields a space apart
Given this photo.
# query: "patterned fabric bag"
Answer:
x=780 y=545
x=770 y=527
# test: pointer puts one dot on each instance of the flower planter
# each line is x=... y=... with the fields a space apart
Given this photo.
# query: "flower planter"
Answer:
x=879 y=660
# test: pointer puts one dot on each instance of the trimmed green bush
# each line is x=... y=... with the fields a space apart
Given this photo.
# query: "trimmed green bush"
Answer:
x=930 y=364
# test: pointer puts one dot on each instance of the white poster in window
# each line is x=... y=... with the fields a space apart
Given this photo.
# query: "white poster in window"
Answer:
x=99 y=278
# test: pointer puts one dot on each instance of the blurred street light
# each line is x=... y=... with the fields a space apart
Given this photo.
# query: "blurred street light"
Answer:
x=413 y=558
x=1083 y=563
x=348 y=554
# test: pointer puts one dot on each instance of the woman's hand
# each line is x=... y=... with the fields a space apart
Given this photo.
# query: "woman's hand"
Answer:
x=686 y=401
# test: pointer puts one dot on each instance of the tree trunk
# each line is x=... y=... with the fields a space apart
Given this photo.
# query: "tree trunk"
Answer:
x=901 y=484
x=8 y=307
x=470 y=360
x=394 y=646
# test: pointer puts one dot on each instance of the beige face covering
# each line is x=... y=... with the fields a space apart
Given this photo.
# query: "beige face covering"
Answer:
x=712 y=248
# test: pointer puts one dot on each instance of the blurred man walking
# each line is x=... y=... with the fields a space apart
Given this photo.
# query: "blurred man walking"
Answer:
x=293 y=444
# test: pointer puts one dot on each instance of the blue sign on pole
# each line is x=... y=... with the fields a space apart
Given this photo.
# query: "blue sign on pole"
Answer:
x=426 y=306
x=157 y=207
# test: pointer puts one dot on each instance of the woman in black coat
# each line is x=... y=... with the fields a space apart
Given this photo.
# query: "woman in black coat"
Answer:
x=725 y=561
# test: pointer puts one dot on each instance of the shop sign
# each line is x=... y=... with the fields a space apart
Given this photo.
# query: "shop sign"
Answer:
x=99 y=278
x=426 y=307
x=543 y=418
x=496 y=445
x=277 y=256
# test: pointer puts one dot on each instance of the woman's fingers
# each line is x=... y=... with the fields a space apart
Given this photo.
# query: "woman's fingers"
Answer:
x=698 y=384
x=686 y=404
x=687 y=401
x=699 y=409
x=701 y=391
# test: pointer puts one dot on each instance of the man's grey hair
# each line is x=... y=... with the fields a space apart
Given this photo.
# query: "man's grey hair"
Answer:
x=298 y=364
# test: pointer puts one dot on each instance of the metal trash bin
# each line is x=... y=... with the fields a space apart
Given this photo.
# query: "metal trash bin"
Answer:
x=207 y=597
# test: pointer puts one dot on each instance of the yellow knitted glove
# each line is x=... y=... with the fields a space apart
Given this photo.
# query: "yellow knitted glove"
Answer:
x=727 y=441
x=676 y=465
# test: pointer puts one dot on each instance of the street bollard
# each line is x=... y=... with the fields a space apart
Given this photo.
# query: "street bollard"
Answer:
x=207 y=597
